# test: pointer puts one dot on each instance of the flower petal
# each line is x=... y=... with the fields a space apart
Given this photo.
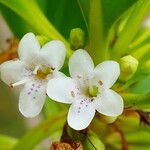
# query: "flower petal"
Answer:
x=32 y=98
x=109 y=103
x=80 y=64
x=12 y=71
x=53 y=53
x=80 y=114
x=59 y=89
x=107 y=72
x=28 y=48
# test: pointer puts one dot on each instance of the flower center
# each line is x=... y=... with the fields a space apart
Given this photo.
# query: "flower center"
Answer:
x=41 y=72
x=93 y=91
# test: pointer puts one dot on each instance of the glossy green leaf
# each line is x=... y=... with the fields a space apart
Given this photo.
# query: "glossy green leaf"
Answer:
x=137 y=14
x=6 y=142
x=142 y=86
x=33 y=15
x=112 y=10
x=65 y=15
x=18 y=26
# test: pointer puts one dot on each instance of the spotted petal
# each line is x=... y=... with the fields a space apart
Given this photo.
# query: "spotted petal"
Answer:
x=28 y=49
x=109 y=103
x=12 y=71
x=80 y=64
x=107 y=72
x=80 y=114
x=53 y=54
x=32 y=98
x=59 y=89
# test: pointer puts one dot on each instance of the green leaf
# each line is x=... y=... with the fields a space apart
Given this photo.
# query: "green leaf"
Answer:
x=112 y=10
x=65 y=15
x=18 y=26
x=39 y=133
x=93 y=142
x=142 y=86
x=137 y=14
x=32 y=14
x=6 y=142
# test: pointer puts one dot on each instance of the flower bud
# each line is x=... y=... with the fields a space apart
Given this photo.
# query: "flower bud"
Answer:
x=107 y=119
x=128 y=67
x=146 y=67
x=42 y=39
x=76 y=38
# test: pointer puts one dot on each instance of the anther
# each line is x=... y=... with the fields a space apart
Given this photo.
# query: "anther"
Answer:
x=100 y=82
x=36 y=69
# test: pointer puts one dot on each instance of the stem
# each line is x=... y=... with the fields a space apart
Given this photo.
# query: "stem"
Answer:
x=136 y=100
x=122 y=136
x=96 y=41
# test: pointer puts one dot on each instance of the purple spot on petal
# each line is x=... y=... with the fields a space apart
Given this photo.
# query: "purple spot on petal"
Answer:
x=36 y=90
x=31 y=89
x=33 y=97
x=29 y=93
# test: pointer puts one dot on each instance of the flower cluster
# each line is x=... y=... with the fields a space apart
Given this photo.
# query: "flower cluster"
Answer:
x=36 y=72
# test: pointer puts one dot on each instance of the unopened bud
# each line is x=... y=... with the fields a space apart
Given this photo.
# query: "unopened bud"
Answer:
x=146 y=67
x=42 y=39
x=128 y=67
x=107 y=119
x=76 y=38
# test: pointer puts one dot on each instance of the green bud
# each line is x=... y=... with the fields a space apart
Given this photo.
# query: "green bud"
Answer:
x=42 y=39
x=93 y=91
x=76 y=38
x=128 y=67
x=146 y=67
x=107 y=119
x=93 y=142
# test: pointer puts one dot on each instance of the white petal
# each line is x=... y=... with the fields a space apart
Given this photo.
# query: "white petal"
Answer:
x=80 y=114
x=55 y=74
x=107 y=72
x=80 y=64
x=59 y=89
x=58 y=74
x=32 y=98
x=109 y=103
x=12 y=71
x=53 y=53
x=28 y=48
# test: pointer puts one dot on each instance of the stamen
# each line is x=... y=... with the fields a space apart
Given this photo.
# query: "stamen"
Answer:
x=36 y=69
x=19 y=83
x=100 y=82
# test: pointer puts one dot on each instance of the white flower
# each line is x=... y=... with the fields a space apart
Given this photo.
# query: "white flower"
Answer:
x=88 y=90
x=32 y=71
